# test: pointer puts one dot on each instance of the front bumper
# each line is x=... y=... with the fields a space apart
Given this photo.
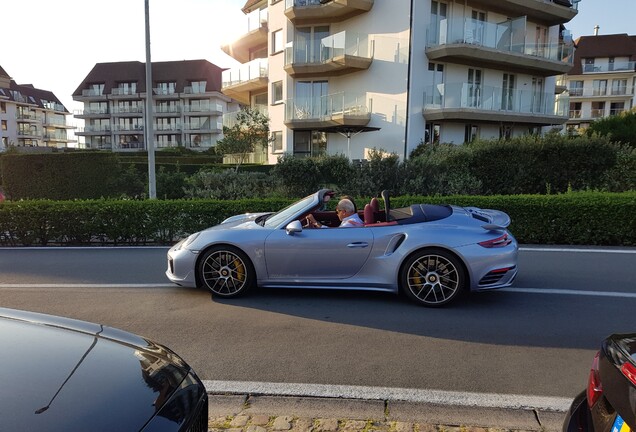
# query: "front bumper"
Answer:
x=181 y=266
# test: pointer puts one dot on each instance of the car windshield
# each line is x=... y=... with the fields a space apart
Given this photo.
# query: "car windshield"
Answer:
x=281 y=216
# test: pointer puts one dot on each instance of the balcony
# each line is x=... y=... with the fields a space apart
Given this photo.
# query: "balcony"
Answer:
x=330 y=11
x=208 y=108
x=575 y=114
x=207 y=127
x=338 y=54
x=230 y=119
x=94 y=130
x=128 y=111
x=165 y=93
x=167 y=110
x=30 y=133
x=91 y=113
x=124 y=93
x=27 y=117
x=338 y=109
x=56 y=136
x=470 y=102
x=91 y=94
x=501 y=46
x=240 y=81
x=549 y=12
x=607 y=67
x=167 y=127
x=57 y=122
x=254 y=36
x=613 y=92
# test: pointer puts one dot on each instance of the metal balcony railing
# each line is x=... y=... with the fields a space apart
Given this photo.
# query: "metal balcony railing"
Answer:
x=620 y=66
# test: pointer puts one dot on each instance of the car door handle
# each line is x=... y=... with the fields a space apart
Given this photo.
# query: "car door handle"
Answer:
x=358 y=245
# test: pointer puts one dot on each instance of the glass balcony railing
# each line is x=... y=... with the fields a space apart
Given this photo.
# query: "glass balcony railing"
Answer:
x=324 y=107
x=255 y=69
x=329 y=48
x=128 y=109
x=509 y=36
x=302 y=3
x=575 y=114
x=93 y=92
x=123 y=91
x=170 y=109
x=621 y=66
x=255 y=20
x=486 y=98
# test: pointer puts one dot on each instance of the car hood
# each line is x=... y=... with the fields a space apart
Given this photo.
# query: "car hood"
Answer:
x=61 y=374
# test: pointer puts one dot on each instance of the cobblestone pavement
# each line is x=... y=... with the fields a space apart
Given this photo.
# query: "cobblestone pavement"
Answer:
x=236 y=413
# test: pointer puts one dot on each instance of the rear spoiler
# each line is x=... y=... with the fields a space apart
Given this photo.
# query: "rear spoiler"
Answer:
x=495 y=220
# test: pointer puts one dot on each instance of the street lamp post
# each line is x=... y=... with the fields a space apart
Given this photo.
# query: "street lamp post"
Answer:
x=149 y=129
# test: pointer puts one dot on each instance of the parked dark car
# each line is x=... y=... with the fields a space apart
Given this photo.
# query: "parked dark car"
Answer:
x=609 y=402
x=60 y=374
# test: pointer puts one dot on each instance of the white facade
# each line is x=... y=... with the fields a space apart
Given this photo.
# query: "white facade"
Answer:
x=418 y=70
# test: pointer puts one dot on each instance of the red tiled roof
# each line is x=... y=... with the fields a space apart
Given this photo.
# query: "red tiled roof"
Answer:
x=182 y=72
x=615 y=45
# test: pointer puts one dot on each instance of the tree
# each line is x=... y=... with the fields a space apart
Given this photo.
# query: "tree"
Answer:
x=250 y=132
x=619 y=128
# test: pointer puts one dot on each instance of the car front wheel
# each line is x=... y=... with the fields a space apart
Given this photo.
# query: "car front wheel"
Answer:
x=432 y=277
x=225 y=271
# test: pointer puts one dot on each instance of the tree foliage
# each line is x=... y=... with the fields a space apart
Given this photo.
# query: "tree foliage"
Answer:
x=619 y=128
x=250 y=132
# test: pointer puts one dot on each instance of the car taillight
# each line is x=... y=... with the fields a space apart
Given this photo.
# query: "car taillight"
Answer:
x=629 y=370
x=500 y=241
x=594 y=387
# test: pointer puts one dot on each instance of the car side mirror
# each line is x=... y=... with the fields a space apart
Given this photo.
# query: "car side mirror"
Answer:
x=294 y=227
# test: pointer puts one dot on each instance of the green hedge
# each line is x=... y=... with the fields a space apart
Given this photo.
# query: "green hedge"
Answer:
x=587 y=218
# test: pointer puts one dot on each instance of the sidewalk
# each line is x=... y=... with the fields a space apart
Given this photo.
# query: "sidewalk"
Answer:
x=265 y=413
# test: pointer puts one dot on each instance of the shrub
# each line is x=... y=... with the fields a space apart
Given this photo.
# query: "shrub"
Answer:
x=296 y=176
x=227 y=185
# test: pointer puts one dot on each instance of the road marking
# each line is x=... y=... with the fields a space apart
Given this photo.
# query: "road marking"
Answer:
x=577 y=250
x=570 y=292
x=87 y=285
x=440 y=397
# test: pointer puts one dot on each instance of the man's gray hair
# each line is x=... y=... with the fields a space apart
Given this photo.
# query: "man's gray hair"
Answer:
x=346 y=205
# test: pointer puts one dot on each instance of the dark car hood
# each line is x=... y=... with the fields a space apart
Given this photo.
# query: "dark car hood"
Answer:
x=60 y=375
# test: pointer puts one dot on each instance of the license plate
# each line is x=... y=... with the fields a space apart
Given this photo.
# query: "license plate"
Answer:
x=620 y=425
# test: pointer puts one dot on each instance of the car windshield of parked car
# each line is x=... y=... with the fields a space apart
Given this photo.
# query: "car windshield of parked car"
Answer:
x=281 y=216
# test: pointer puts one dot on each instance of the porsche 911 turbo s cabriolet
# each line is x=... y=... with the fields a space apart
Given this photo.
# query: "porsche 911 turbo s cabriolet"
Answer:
x=432 y=253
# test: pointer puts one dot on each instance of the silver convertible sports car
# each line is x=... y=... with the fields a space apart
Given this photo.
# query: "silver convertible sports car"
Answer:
x=432 y=253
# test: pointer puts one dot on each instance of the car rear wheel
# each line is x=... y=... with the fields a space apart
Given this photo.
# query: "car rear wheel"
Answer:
x=225 y=271
x=432 y=277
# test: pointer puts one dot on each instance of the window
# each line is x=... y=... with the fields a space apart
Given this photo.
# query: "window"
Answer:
x=599 y=87
x=575 y=110
x=4 y=125
x=3 y=107
x=277 y=142
x=432 y=133
x=474 y=88
x=505 y=132
x=438 y=24
x=5 y=142
x=308 y=46
x=198 y=87
x=277 y=92
x=617 y=108
x=598 y=109
x=310 y=143
x=619 y=86
x=576 y=88
x=277 y=41
x=507 y=92
x=166 y=88
x=471 y=133
x=588 y=65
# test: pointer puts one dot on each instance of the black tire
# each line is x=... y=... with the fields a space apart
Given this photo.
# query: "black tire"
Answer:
x=433 y=277
x=225 y=271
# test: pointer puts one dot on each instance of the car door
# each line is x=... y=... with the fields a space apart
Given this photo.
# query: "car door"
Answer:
x=329 y=253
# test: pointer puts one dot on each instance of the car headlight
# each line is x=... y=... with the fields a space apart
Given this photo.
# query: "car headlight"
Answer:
x=183 y=244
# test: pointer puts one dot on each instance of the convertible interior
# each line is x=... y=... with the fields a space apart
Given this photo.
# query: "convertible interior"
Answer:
x=374 y=216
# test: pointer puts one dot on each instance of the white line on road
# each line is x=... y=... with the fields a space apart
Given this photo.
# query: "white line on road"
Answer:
x=570 y=292
x=87 y=285
x=577 y=250
x=468 y=399
x=161 y=285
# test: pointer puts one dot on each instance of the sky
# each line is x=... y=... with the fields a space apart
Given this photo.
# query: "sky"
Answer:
x=54 y=44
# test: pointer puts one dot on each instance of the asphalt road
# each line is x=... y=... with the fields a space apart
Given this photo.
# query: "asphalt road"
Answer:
x=537 y=339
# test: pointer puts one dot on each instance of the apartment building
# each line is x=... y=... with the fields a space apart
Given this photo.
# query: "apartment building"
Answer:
x=601 y=83
x=31 y=117
x=188 y=105
x=349 y=76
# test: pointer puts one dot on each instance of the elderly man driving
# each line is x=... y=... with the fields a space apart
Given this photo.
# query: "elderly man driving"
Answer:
x=346 y=213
